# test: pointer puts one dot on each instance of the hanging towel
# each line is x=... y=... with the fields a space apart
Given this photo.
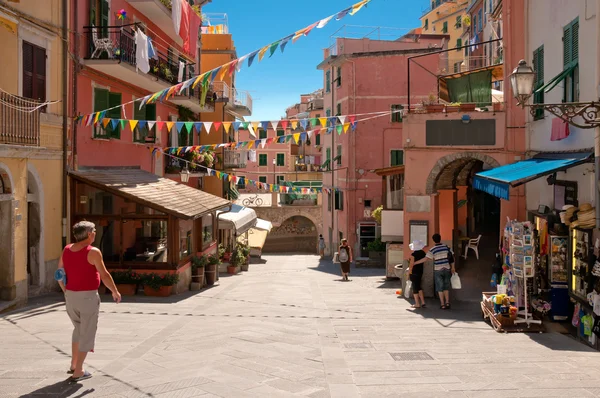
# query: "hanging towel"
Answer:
x=151 y=51
x=181 y=69
x=190 y=44
x=252 y=156
x=560 y=129
x=141 y=52
x=176 y=14
x=184 y=28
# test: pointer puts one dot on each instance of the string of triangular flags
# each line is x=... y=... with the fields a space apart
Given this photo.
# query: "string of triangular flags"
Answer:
x=237 y=180
x=345 y=124
x=209 y=76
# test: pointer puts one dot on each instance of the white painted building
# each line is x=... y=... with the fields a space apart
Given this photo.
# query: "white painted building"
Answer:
x=550 y=32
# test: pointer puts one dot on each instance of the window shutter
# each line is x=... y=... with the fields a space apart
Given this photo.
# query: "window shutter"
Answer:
x=458 y=44
x=93 y=13
x=567 y=36
x=328 y=152
x=39 y=79
x=318 y=139
x=104 y=22
x=575 y=41
x=114 y=99
x=100 y=104
x=27 y=70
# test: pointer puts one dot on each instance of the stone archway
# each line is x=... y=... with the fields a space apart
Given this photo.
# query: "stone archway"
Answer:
x=297 y=233
x=460 y=161
x=7 y=231
x=36 y=269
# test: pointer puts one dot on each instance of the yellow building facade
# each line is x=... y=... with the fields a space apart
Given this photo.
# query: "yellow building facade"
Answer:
x=447 y=18
x=31 y=149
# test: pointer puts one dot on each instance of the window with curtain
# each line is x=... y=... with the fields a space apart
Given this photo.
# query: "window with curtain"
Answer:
x=395 y=192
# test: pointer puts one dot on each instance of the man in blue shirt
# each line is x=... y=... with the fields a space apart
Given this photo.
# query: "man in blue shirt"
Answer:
x=443 y=268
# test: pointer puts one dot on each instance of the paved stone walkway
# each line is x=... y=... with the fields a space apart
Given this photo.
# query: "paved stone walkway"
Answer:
x=288 y=328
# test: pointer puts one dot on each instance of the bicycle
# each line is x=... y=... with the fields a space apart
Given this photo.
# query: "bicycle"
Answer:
x=253 y=200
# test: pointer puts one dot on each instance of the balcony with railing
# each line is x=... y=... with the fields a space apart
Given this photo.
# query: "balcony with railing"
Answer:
x=111 y=50
x=215 y=24
x=241 y=102
x=18 y=127
x=234 y=159
x=159 y=12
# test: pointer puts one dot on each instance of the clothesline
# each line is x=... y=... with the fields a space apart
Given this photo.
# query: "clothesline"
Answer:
x=238 y=62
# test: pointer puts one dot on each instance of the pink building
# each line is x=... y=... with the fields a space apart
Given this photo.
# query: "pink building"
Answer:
x=360 y=77
x=289 y=161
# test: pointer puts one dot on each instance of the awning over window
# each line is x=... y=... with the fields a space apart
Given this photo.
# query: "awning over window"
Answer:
x=497 y=181
x=555 y=80
x=240 y=219
x=263 y=225
x=150 y=190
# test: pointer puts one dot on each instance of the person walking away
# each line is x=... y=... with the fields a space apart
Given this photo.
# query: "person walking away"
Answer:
x=345 y=257
x=321 y=246
x=415 y=272
x=443 y=268
x=83 y=268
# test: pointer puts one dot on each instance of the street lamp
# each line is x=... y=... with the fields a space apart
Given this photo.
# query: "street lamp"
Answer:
x=521 y=81
x=185 y=174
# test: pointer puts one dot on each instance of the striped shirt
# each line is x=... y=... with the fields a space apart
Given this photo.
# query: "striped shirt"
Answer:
x=439 y=255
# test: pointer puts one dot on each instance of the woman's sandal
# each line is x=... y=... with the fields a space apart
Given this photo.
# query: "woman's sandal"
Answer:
x=414 y=306
x=86 y=375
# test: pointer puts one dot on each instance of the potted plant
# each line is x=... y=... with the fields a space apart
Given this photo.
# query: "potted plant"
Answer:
x=224 y=254
x=126 y=281
x=159 y=285
x=245 y=256
x=210 y=269
x=498 y=106
x=376 y=250
x=468 y=107
x=235 y=260
x=198 y=264
x=431 y=105
x=453 y=107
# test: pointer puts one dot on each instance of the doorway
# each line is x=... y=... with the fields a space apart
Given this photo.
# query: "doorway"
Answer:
x=35 y=261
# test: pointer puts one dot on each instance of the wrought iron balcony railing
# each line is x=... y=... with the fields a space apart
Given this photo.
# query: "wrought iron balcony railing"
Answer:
x=18 y=126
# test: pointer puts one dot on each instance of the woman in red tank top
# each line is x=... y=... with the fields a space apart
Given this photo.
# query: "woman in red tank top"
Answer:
x=84 y=267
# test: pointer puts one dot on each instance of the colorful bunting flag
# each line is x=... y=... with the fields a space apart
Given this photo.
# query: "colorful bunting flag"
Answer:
x=217 y=126
x=296 y=137
x=262 y=52
x=294 y=124
x=227 y=126
x=236 y=126
x=284 y=42
x=251 y=58
x=170 y=126
x=105 y=122
x=132 y=124
x=141 y=124
x=324 y=22
x=346 y=125
x=207 y=126
x=323 y=121
x=273 y=48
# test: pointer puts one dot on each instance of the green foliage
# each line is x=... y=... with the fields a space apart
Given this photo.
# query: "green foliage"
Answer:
x=376 y=246
x=126 y=277
x=214 y=259
x=376 y=214
x=237 y=257
x=199 y=262
x=156 y=281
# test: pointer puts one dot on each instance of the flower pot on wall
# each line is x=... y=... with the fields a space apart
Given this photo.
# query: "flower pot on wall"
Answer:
x=127 y=289
x=452 y=108
x=434 y=108
x=498 y=106
x=245 y=267
x=198 y=279
x=164 y=291
x=231 y=269
x=467 y=107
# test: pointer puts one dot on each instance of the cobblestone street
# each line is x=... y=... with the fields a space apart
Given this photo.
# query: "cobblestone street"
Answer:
x=290 y=327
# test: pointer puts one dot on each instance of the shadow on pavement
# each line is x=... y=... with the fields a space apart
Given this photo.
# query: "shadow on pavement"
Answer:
x=62 y=388
x=328 y=267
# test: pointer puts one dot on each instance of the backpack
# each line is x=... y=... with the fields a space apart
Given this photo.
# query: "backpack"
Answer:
x=343 y=256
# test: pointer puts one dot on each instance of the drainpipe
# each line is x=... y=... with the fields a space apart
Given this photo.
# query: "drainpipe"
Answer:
x=65 y=112
x=331 y=164
x=597 y=129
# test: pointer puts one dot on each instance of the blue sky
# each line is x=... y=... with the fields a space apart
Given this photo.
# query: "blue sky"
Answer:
x=277 y=82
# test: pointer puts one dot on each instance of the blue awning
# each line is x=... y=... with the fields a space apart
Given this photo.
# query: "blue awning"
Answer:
x=497 y=181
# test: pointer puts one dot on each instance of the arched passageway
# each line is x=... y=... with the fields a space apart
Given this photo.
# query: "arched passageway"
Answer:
x=297 y=234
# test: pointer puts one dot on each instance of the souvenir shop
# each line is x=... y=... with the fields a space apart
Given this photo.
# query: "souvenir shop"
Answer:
x=551 y=273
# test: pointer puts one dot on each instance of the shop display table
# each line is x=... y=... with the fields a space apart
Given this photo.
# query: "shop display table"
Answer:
x=505 y=324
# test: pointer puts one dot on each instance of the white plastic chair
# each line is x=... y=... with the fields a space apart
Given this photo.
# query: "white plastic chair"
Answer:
x=101 y=44
x=473 y=245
